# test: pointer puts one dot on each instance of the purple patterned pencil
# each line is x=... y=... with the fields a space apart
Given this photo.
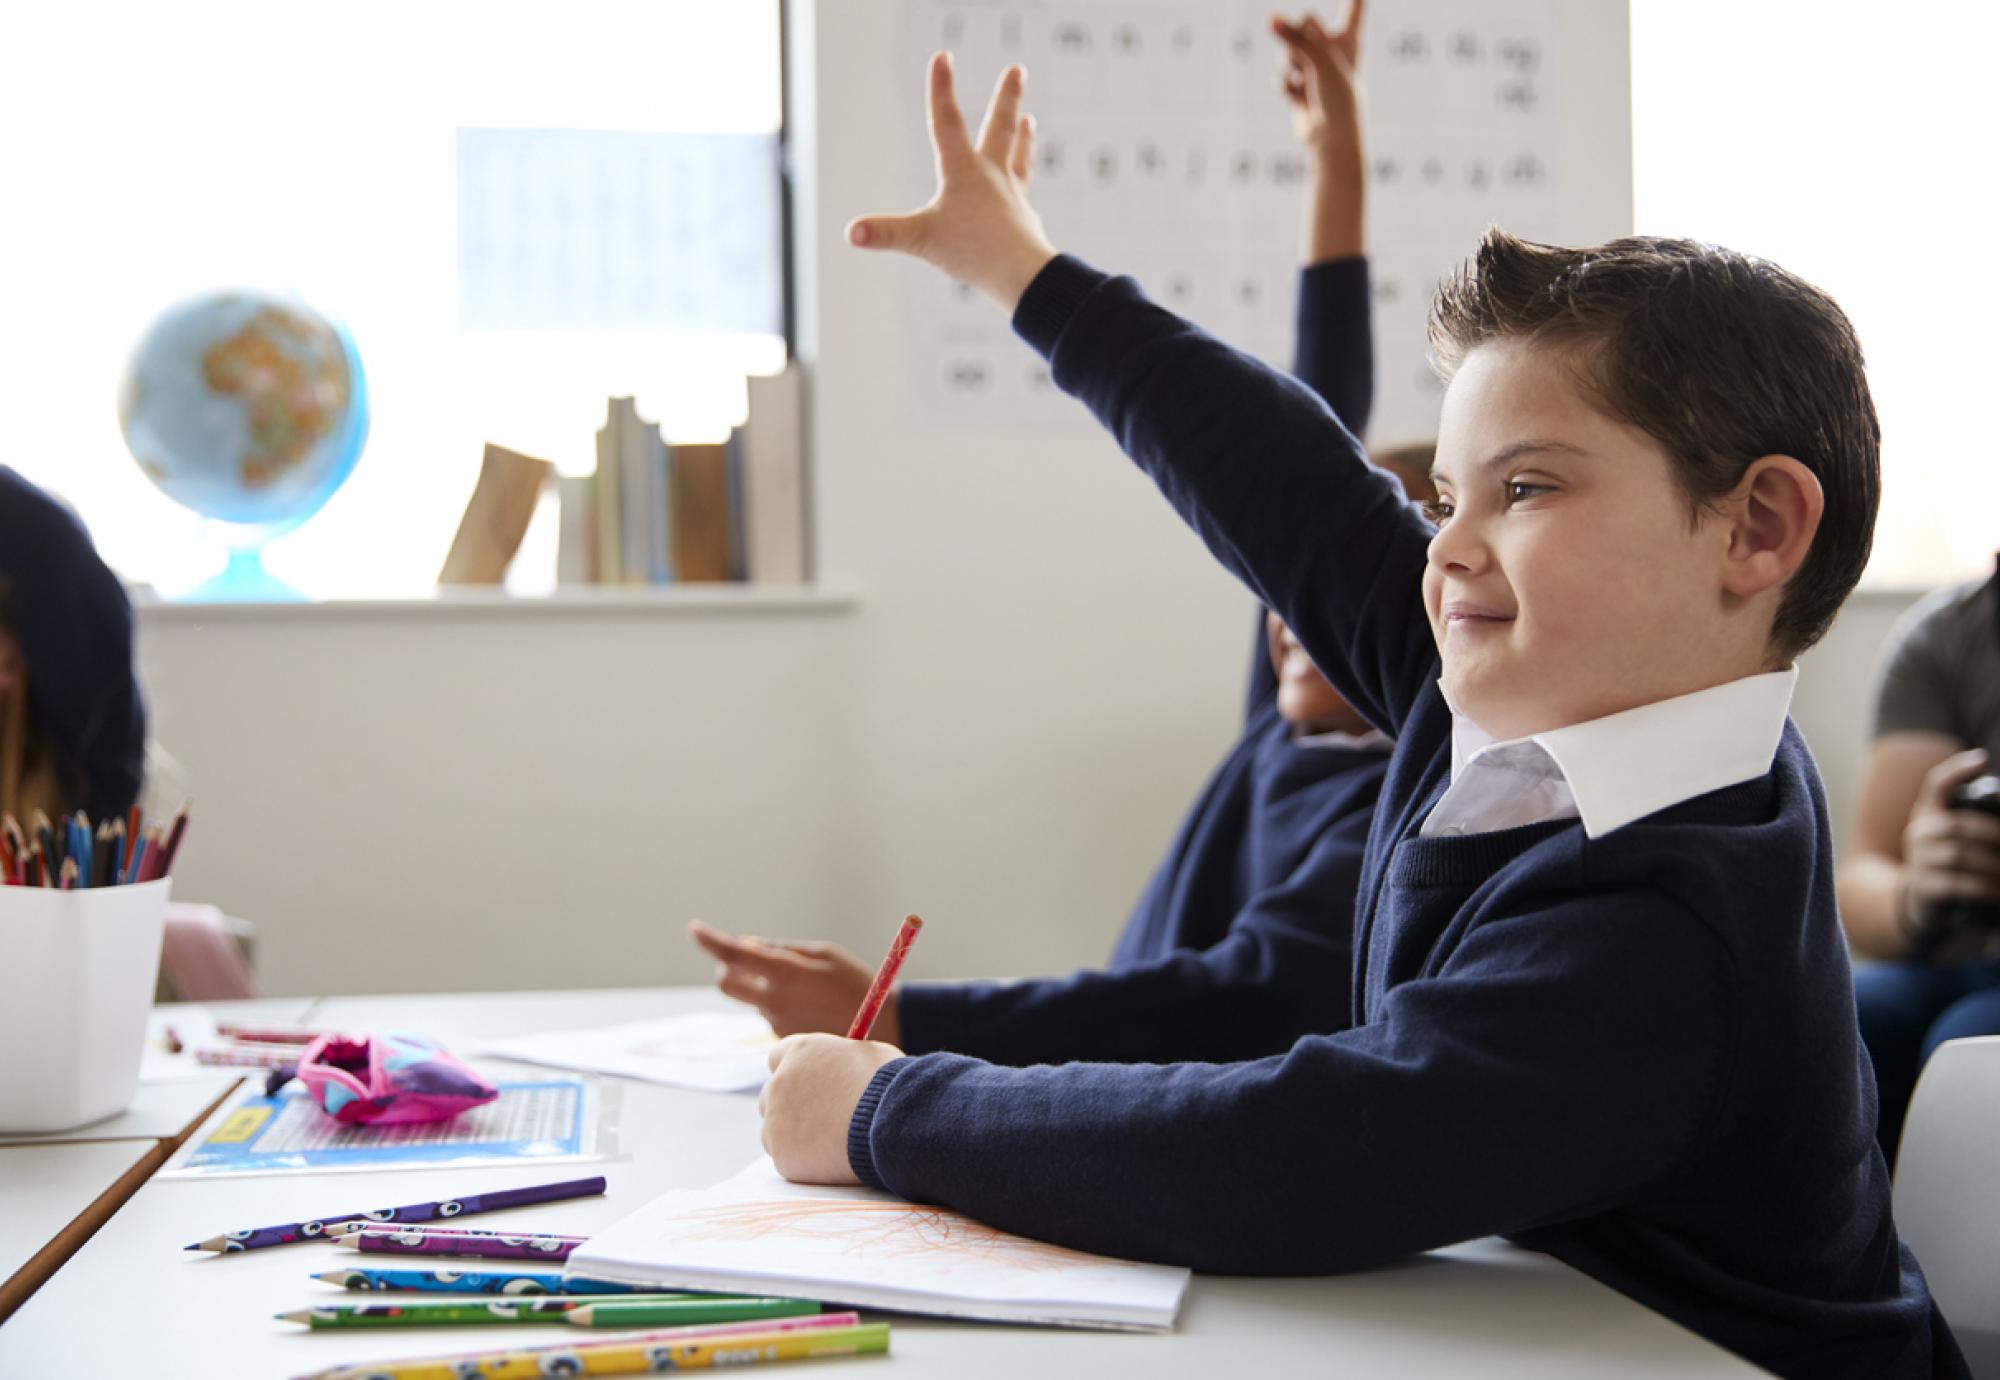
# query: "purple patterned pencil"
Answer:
x=476 y=1245
x=349 y=1222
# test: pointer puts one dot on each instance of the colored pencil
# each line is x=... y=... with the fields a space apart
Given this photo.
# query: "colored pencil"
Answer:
x=885 y=977
x=268 y=1034
x=479 y=1246
x=138 y=861
x=246 y=1057
x=173 y=843
x=583 y=1357
x=474 y=1312
x=641 y=1312
x=492 y=1201
x=69 y=874
x=520 y=1282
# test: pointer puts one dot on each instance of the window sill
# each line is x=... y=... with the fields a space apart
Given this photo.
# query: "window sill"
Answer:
x=589 y=601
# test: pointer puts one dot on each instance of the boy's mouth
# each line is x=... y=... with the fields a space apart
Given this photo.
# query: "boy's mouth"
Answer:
x=1461 y=614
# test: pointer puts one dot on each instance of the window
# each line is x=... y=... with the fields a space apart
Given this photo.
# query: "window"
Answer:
x=1849 y=143
x=156 y=151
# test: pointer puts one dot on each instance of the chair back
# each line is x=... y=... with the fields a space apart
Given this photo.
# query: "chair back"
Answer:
x=1947 y=1191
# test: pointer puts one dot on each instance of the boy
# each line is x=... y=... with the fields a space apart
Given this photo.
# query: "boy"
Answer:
x=1601 y=999
x=1240 y=942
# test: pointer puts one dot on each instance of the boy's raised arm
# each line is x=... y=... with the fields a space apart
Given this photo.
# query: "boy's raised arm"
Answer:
x=1251 y=459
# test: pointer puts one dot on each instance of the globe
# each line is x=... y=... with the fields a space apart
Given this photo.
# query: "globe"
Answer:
x=251 y=409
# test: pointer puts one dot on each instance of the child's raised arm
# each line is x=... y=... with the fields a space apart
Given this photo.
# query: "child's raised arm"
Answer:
x=1254 y=462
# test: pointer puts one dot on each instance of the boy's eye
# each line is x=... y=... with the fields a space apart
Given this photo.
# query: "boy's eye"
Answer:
x=1520 y=490
x=1438 y=510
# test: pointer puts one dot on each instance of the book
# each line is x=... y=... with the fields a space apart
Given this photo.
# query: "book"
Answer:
x=659 y=510
x=576 y=545
x=774 y=479
x=496 y=517
x=610 y=505
x=634 y=490
x=699 y=483
x=757 y=1234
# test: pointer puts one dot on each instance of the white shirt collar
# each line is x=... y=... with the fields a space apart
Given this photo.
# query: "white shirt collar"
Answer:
x=1619 y=768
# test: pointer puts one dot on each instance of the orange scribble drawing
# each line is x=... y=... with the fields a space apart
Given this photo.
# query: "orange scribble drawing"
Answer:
x=881 y=1231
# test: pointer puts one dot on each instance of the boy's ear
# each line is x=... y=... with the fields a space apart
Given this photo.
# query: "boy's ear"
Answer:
x=1773 y=513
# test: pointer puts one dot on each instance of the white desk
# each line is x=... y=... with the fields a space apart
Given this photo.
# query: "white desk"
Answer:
x=1483 y=1309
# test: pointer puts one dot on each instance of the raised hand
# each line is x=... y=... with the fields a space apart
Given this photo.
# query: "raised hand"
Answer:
x=978 y=227
x=800 y=988
x=1319 y=83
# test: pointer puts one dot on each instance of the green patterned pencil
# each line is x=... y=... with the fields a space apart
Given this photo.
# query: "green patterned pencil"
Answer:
x=468 y=1312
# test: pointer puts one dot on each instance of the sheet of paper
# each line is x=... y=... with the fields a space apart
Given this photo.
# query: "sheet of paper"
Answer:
x=543 y=1120
x=758 y=1233
x=709 y=1051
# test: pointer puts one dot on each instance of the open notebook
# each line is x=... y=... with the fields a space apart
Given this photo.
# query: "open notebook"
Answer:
x=758 y=1234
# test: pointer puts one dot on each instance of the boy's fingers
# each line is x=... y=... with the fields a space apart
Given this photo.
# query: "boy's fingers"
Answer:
x=901 y=233
x=1003 y=117
x=738 y=985
x=947 y=123
x=1024 y=149
x=1351 y=32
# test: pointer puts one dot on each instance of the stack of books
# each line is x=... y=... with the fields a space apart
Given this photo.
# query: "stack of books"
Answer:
x=657 y=513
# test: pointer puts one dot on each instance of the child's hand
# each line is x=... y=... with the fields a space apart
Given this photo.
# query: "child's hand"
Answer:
x=1319 y=80
x=816 y=1083
x=800 y=989
x=1319 y=85
x=978 y=227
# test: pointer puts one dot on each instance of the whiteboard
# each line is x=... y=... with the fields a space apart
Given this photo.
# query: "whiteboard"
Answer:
x=1165 y=151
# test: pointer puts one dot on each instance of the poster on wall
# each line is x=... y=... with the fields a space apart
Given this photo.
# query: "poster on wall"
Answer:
x=1165 y=150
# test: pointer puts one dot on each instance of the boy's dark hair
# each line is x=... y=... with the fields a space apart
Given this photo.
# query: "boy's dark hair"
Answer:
x=1720 y=357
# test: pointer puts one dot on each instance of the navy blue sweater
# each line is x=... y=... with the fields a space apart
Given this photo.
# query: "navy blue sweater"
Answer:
x=1637 y=1052
x=1240 y=942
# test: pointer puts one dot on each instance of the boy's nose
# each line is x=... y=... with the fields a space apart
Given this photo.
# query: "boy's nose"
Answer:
x=1457 y=546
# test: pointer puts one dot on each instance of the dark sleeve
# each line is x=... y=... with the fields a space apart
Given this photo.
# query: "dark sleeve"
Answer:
x=1334 y=355
x=1281 y=971
x=1264 y=474
x=1916 y=692
x=1543 y=1074
x=1334 y=347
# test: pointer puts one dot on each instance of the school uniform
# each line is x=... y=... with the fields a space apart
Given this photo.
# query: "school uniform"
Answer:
x=1613 y=1022
x=1240 y=942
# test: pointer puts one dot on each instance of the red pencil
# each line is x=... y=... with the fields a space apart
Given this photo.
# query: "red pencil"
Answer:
x=885 y=977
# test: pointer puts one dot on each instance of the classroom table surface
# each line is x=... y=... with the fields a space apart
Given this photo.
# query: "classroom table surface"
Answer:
x=1484 y=1308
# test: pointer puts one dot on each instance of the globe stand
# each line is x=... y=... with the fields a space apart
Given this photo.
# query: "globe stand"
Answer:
x=244 y=581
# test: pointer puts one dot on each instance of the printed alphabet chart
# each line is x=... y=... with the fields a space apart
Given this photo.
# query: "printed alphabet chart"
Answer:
x=1165 y=150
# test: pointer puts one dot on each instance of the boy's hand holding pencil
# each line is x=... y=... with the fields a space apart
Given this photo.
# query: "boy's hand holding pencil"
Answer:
x=978 y=227
x=817 y=1082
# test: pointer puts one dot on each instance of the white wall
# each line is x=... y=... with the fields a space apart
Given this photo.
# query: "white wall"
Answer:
x=1037 y=669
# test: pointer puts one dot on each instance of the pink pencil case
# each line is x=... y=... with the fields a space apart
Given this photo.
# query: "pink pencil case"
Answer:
x=384 y=1080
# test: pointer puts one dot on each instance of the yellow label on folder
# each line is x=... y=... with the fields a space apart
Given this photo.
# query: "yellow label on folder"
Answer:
x=242 y=1124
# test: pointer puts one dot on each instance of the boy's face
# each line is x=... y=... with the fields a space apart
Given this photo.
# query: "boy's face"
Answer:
x=1566 y=581
x=1305 y=700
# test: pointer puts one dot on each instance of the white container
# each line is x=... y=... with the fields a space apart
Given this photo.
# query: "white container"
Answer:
x=77 y=972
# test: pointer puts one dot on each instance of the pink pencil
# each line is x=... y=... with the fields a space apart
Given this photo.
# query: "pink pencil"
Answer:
x=885 y=977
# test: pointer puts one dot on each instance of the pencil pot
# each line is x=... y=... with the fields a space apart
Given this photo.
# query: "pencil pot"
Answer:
x=77 y=970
